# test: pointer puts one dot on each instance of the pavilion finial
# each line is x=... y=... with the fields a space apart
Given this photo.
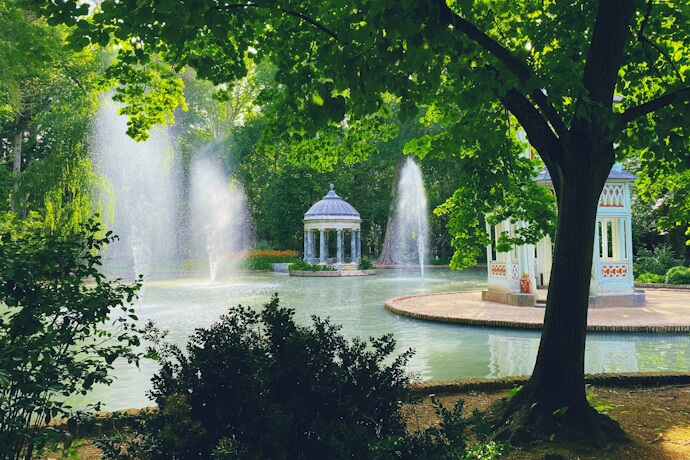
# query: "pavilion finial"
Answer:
x=332 y=187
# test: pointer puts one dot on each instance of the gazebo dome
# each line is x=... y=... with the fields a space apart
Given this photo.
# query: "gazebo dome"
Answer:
x=331 y=206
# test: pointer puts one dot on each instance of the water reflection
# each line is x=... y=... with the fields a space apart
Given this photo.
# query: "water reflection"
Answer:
x=442 y=351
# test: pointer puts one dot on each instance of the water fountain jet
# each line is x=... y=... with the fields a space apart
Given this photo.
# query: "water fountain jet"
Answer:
x=411 y=221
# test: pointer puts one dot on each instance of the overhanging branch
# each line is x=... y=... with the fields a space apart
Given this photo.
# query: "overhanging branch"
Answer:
x=653 y=105
x=295 y=14
x=518 y=68
x=540 y=135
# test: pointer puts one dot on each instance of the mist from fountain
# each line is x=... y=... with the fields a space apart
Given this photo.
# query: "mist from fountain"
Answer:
x=162 y=220
x=411 y=224
x=219 y=217
x=140 y=200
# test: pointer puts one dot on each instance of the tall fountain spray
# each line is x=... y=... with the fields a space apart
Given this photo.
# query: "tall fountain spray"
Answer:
x=161 y=222
x=411 y=218
x=219 y=217
x=141 y=198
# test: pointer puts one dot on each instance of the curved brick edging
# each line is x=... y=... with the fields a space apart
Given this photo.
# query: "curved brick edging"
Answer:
x=628 y=379
x=390 y=304
x=315 y=273
x=672 y=287
x=331 y=273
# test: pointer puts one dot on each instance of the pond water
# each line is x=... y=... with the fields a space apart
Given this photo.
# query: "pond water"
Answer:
x=442 y=351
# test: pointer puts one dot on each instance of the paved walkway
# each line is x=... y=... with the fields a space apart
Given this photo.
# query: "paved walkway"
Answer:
x=664 y=311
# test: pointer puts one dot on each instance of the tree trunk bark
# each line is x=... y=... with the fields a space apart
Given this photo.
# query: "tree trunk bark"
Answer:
x=558 y=377
x=554 y=400
x=387 y=253
x=16 y=166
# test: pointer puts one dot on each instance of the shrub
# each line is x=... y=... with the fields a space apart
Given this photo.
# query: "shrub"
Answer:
x=650 y=278
x=58 y=335
x=262 y=259
x=446 y=440
x=657 y=261
x=365 y=264
x=301 y=265
x=678 y=275
x=264 y=245
x=257 y=385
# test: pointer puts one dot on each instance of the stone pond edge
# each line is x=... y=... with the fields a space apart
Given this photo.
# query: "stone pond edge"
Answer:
x=627 y=379
x=389 y=304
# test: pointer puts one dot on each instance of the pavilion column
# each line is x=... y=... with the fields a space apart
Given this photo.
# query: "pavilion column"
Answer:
x=322 y=246
x=311 y=246
x=306 y=246
x=353 y=245
x=339 y=237
x=359 y=245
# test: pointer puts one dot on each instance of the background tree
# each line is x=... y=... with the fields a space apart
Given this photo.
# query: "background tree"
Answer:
x=554 y=65
x=50 y=93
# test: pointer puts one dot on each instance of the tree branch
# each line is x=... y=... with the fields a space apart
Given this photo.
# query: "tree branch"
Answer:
x=655 y=104
x=314 y=23
x=518 y=68
x=295 y=14
x=605 y=54
x=539 y=133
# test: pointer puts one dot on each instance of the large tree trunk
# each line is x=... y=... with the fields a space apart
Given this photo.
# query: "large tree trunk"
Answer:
x=387 y=252
x=16 y=165
x=554 y=400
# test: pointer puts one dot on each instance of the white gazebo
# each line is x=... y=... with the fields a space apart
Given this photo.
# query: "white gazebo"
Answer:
x=332 y=213
x=612 y=283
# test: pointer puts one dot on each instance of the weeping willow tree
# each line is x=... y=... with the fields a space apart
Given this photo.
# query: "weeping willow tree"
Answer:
x=48 y=96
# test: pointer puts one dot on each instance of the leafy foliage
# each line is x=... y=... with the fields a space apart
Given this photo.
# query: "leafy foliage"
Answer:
x=678 y=275
x=257 y=385
x=445 y=441
x=656 y=262
x=62 y=325
x=365 y=264
x=262 y=259
x=302 y=265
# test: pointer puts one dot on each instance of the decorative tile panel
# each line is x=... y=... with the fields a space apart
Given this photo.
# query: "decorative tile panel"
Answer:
x=498 y=269
x=614 y=271
x=613 y=196
x=514 y=271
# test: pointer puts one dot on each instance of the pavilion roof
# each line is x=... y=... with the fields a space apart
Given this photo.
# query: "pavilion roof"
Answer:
x=331 y=206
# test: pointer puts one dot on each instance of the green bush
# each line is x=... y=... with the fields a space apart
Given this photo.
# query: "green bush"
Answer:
x=657 y=261
x=59 y=335
x=365 y=264
x=650 y=278
x=257 y=385
x=678 y=275
x=260 y=259
x=301 y=265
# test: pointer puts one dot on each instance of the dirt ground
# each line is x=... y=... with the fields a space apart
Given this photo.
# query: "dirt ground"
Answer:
x=656 y=419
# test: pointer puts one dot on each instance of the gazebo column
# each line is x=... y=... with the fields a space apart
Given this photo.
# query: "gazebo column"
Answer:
x=322 y=246
x=312 y=249
x=359 y=245
x=339 y=237
x=306 y=247
x=353 y=246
